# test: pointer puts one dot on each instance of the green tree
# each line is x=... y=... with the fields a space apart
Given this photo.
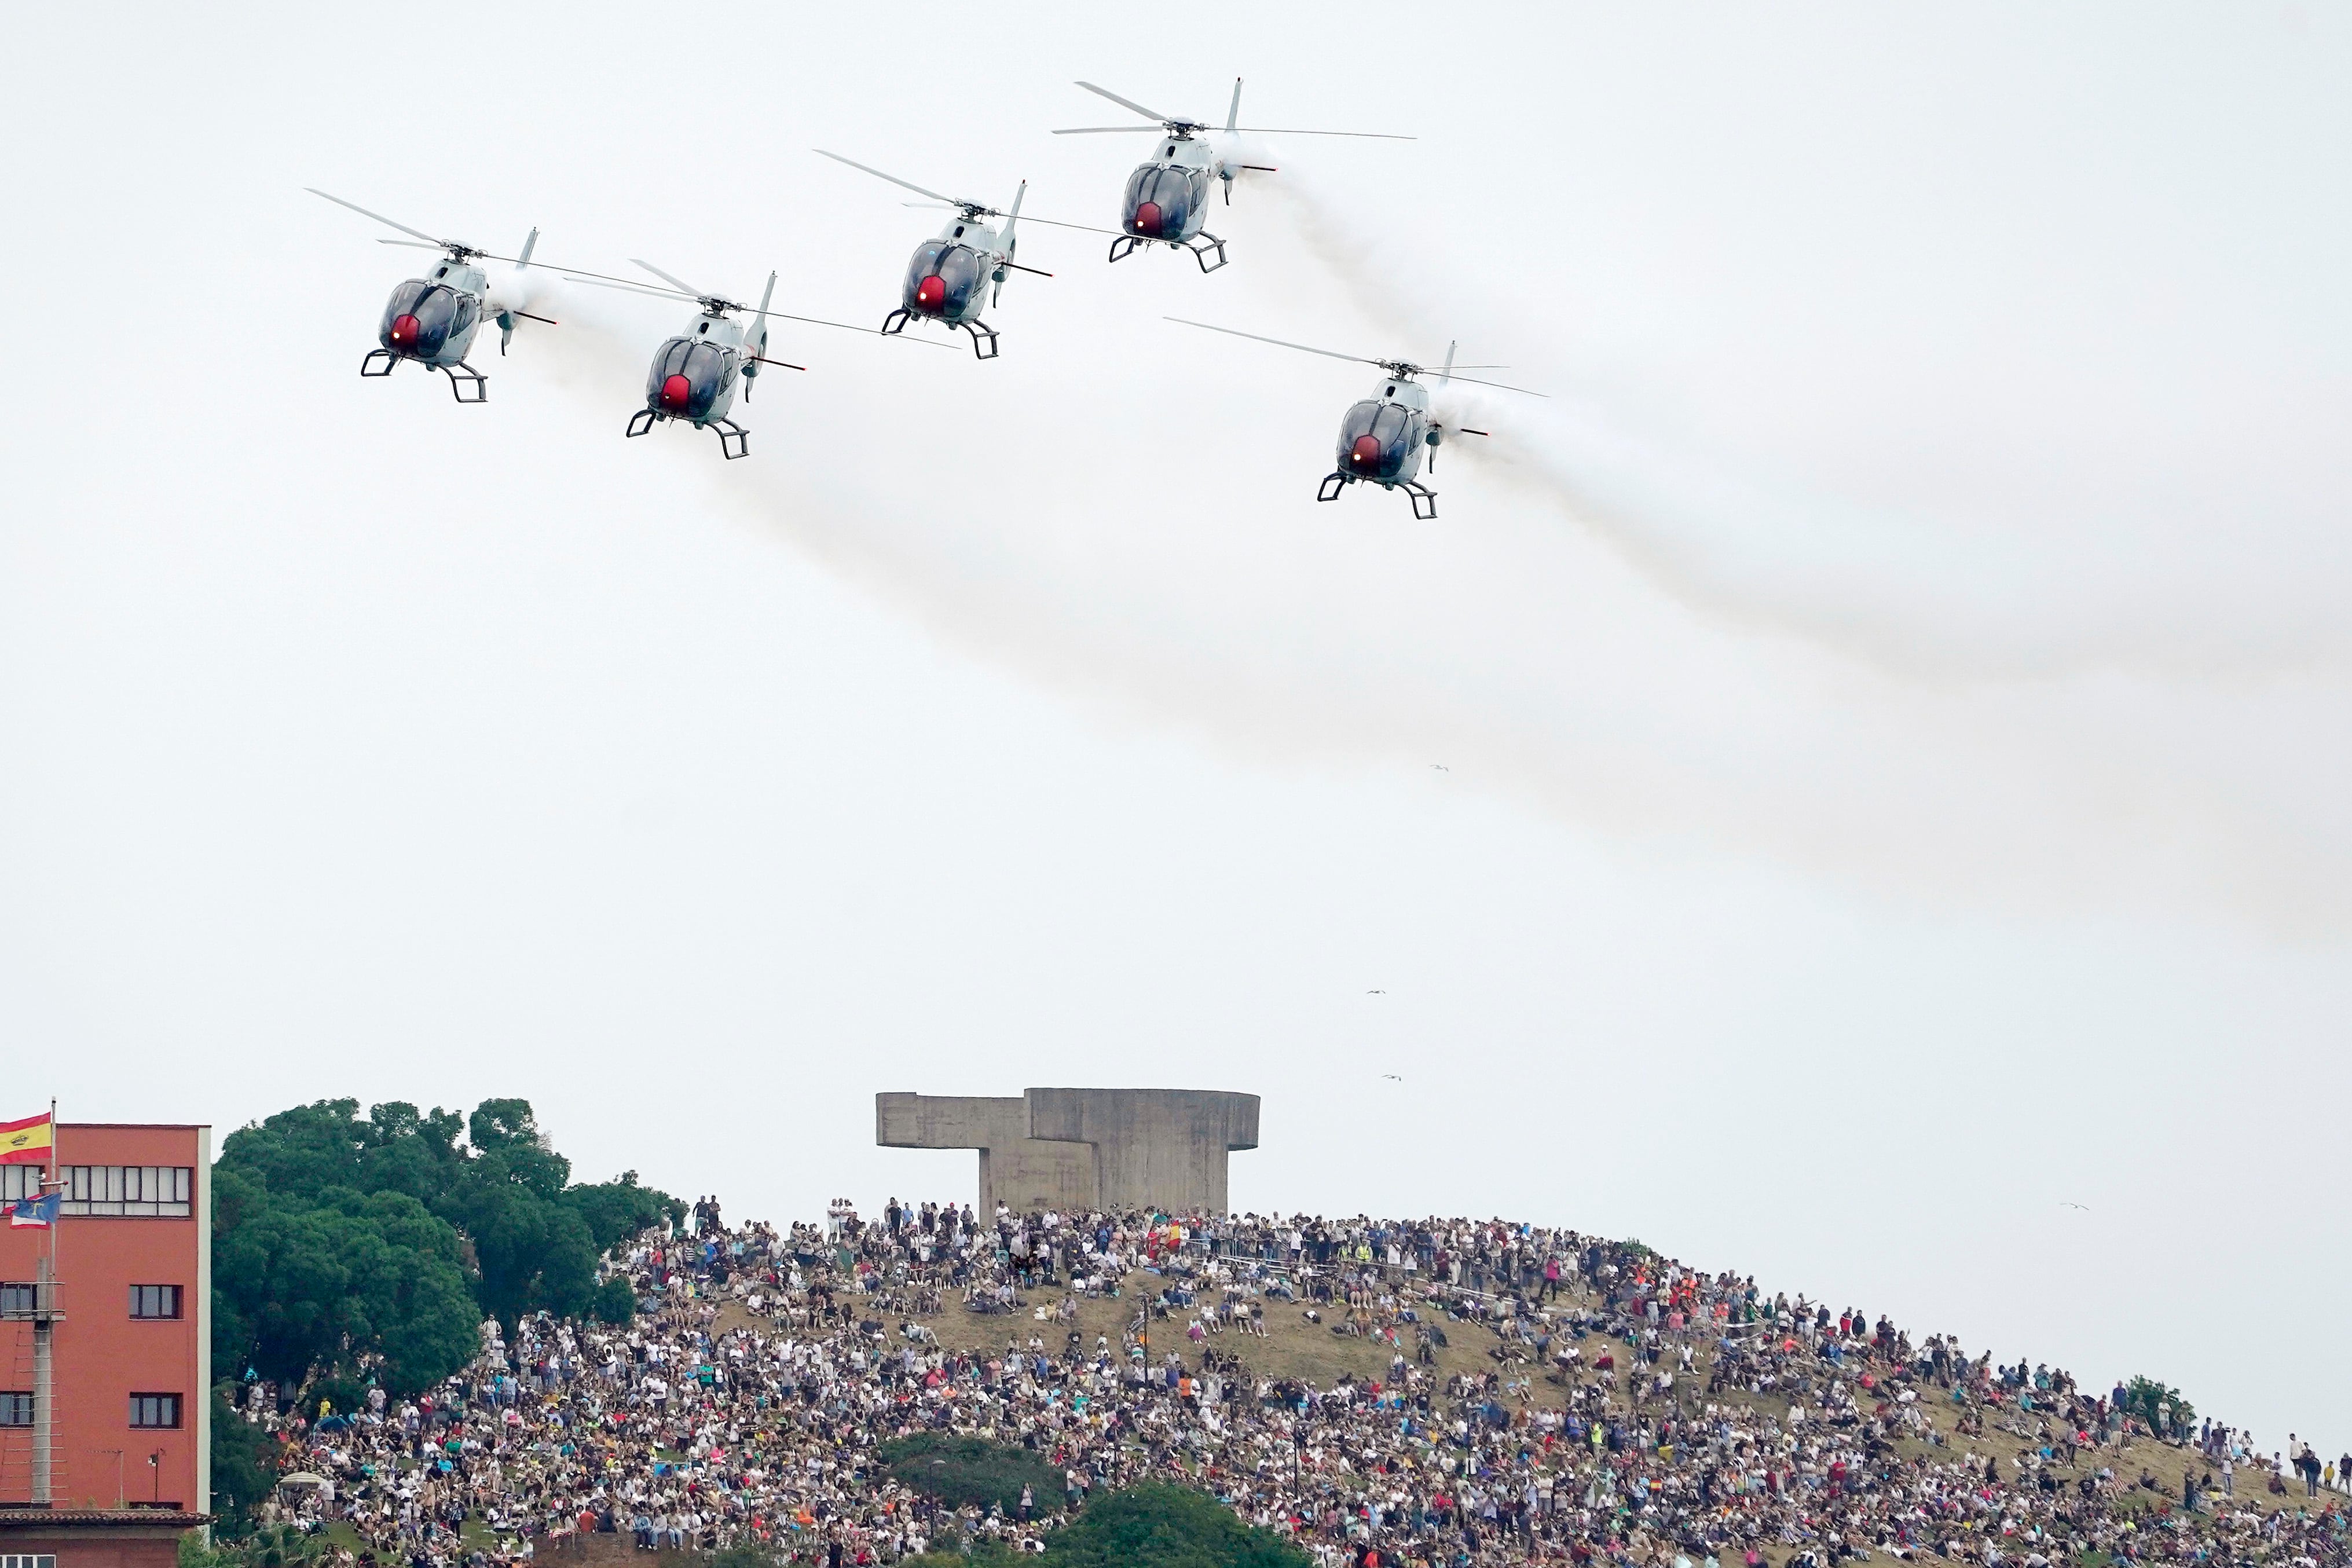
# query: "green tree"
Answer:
x=617 y=1302
x=357 y=1277
x=242 y=1475
x=341 y=1242
x=617 y=1210
x=1160 y=1526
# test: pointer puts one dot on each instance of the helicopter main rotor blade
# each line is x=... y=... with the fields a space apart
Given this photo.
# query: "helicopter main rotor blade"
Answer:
x=1125 y=103
x=1110 y=130
x=590 y=278
x=1278 y=343
x=413 y=244
x=648 y=289
x=437 y=244
x=1374 y=135
x=681 y=284
x=894 y=179
x=1056 y=223
x=1526 y=391
x=869 y=332
x=991 y=212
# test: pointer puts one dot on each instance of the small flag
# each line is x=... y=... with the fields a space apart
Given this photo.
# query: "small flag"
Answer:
x=27 y=1143
x=41 y=1212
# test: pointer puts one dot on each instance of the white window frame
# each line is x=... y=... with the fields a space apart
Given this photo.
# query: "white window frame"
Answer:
x=137 y=1192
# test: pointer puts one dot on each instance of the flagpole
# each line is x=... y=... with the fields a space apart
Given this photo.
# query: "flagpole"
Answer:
x=45 y=1293
x=54 y=1180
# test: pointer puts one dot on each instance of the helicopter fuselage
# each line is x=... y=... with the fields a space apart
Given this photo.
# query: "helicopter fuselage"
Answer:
x=950 y=277
x=1384 y=437
x=432 y=319
x=1166 y=199
x=695 y=374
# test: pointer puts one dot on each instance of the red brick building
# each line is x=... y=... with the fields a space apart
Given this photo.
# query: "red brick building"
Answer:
x=130 y=1354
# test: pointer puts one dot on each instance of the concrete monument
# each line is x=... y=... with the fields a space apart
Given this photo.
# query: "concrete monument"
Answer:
x=1080 y=1149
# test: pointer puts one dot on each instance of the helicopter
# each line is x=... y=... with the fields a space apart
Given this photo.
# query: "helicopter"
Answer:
x=1166 y=199
x=432 y=319
x=695 y=373
x=945 y=279
x=1382 y=438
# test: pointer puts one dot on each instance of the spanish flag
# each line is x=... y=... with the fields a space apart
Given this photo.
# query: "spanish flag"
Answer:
x=27 y=1143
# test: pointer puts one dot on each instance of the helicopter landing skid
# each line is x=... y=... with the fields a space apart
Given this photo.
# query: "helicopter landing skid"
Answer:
x=462 y=375
x=1126 y=245
x=1424 y=498
x=390 y=360
x=734 y=441
x=984 y=336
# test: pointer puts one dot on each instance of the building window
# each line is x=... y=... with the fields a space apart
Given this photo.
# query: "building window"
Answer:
x=27 y=1560
x=154 y=1410
x=15 y=1408
x=154 y=1301
x=21 y=1182
x=150 y=1191
x=16 y=1299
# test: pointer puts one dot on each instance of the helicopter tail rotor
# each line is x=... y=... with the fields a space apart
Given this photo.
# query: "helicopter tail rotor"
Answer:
x=510 y=294
x=1004 y=238
x=758 y=337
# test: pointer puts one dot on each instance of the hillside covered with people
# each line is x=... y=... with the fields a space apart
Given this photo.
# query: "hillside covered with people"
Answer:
x=1361 y=1392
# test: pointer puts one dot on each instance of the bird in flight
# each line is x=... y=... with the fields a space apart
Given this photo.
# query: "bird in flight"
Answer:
x=1441 y=767
x=2065 y=1205
x=1375 y=992
x=1393 y=1078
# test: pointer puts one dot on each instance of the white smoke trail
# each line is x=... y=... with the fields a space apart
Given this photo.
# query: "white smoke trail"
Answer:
x=1810 y=566
x=1552 y=664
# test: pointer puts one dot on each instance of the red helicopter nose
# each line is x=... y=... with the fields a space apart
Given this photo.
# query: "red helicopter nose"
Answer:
x=932 y=292
x=1147 y=219
x=677 y=392
x=403 y=330
x=1365 y=453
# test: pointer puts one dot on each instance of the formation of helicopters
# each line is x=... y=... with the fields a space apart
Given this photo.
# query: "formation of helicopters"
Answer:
x=950 y=280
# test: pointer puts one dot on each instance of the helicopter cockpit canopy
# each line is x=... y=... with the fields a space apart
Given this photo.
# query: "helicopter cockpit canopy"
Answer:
x=688 y=376
x=1376 y=440
x=944 y=280
x=1162 y=200
x=423 y=317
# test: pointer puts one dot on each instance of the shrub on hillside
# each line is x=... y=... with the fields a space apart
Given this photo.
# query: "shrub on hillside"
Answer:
x=2144 y=1396
x=1161 y=1526
x=959 y=1470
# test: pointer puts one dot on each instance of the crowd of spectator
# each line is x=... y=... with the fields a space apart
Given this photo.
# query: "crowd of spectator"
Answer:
x=1541 y=1396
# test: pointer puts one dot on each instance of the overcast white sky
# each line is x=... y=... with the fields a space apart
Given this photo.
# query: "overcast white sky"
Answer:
x=1892 y=700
